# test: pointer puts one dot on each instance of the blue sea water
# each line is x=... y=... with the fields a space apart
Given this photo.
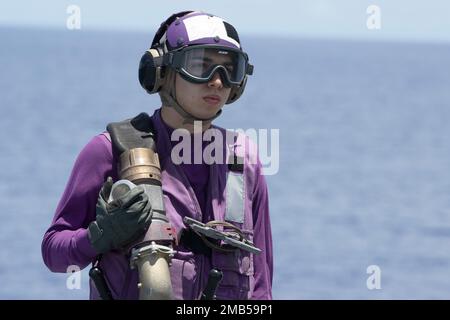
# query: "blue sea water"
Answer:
x=364 y=173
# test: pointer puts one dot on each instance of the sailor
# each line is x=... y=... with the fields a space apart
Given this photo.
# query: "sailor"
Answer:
x=197 y=65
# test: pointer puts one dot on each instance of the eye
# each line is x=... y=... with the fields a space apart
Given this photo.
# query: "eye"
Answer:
x=201 y=64
x=229 y=68
x=198 y=66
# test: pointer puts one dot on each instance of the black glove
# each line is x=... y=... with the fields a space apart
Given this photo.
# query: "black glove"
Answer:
x=121 y=221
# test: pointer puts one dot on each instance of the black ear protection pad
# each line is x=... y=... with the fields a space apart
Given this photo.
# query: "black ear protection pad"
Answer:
x=151 y=73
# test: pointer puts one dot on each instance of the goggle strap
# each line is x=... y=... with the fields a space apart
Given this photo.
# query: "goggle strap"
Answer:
x=167 y=59
x=159 y=61
x=249 y=69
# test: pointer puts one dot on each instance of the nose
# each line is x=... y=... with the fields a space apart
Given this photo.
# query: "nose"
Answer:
x=216 y=81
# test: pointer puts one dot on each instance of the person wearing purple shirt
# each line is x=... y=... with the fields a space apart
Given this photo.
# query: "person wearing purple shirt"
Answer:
x=193 y=90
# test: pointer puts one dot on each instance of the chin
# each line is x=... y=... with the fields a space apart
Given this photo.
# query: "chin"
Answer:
x=208 y=111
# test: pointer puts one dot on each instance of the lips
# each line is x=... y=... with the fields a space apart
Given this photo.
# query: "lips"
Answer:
x=212 y=99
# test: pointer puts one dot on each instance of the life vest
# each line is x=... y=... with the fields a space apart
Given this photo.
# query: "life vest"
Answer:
x=229 y=198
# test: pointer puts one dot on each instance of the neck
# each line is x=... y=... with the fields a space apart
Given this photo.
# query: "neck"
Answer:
x=176 y=121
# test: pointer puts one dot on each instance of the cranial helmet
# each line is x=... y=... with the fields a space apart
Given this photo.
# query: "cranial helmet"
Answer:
x=184 y=43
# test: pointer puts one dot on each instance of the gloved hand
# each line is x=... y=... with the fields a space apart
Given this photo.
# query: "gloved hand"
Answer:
x=121 y=221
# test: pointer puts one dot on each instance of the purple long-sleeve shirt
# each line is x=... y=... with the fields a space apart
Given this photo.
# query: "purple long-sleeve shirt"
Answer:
x=66 y=241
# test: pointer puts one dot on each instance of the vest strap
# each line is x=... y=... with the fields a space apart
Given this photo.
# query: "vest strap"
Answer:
x=137 y=132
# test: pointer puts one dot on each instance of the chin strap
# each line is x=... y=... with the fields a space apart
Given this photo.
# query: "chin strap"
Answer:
x=188 y=118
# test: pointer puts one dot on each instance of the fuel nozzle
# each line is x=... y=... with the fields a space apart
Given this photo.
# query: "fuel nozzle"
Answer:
x=152 y=253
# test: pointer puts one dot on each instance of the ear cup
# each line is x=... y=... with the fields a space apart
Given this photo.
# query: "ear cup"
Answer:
x=150 y=71
x=236 y=92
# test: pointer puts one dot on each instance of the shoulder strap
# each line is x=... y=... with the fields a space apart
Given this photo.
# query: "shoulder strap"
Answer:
x=137 y=132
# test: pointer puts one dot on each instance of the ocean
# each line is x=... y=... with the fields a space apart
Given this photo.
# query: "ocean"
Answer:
x=364 y=155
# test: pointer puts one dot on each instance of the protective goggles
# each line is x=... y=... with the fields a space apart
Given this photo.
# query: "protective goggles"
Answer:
x=198 y=64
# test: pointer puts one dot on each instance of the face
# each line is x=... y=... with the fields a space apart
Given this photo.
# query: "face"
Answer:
x=206 y=99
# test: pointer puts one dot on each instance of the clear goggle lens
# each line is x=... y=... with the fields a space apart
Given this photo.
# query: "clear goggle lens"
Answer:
x=200 y=64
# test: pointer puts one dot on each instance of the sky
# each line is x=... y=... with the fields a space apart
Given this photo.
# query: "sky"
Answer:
x=399 y=20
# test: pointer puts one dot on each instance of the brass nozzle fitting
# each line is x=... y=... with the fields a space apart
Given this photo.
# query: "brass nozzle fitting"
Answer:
x=140 y=165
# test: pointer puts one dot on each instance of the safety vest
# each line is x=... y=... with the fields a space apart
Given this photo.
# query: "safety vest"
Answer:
x=229 y=197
